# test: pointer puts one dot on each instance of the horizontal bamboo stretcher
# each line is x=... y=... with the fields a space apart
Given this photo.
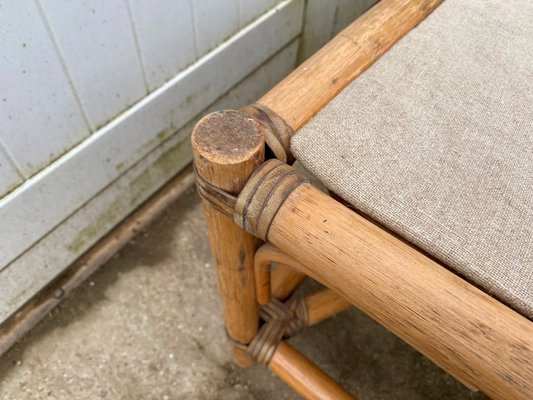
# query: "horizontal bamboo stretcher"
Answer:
x=246 y=200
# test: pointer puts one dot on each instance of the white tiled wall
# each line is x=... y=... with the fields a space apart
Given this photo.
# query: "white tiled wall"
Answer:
x=62 y=246
x=10 y=176
x=102 y=83
x=69 y=67
x=97 y=43
x=166 y=37
x=214 y=22
x=251 y=9
x=92 y=90
x=40 y=116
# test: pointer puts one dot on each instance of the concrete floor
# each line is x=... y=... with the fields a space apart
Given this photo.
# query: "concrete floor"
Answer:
x=148 y=326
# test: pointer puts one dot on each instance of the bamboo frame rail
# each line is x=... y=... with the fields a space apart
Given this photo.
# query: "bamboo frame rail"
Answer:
x=284 y=281
x=305 y=377
x=314 y=83
x=324 y=304
x=463 y=330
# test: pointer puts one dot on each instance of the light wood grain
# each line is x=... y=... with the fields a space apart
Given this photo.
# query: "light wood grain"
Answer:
x=324 y=304
x=284 y=281
x=312 y=85
x=227 y=147
x=463 y=330
x=242 y=357
x=305 y=377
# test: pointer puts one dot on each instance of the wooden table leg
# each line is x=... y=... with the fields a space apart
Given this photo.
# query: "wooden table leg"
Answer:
x=228 y=146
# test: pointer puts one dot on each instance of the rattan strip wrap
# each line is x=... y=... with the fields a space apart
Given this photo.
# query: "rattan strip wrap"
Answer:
x=264 y=194
x=218 y=198
x=282 y=320
x=277 y=132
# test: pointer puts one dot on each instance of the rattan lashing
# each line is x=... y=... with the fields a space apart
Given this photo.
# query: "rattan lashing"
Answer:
x=282 y=320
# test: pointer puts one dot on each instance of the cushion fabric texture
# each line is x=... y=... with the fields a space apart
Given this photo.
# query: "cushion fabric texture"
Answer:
x=435 y=141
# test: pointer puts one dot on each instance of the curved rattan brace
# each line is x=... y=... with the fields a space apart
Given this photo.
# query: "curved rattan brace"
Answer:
x=218 y=198
x=277 y=133
x=282 y=320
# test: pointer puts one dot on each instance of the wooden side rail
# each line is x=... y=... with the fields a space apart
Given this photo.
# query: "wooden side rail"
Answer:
x=460 y=328
x=305 y=377
x=324 y=304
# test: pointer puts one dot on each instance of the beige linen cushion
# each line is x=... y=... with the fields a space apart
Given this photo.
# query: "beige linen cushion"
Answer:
x=435 y=141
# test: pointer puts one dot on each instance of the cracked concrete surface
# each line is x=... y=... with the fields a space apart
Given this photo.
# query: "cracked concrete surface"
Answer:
x=148 y=325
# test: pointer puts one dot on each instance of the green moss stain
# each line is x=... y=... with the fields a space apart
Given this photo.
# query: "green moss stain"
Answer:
x=158 y=139
x=95 y=228
x=189 y=100
x=11 y=188
x=21 y=297
x=120 y=167
x=140 y=188
x=170 y=162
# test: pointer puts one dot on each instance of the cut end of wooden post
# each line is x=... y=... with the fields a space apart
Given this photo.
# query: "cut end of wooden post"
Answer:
x=225 y=142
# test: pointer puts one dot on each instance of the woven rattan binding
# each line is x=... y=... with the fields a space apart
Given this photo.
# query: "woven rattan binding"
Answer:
x=282 y=320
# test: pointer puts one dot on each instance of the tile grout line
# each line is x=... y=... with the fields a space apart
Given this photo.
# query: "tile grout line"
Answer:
x=137 y=46
x=194 y=31
x=13 y=161
x=64 y=66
